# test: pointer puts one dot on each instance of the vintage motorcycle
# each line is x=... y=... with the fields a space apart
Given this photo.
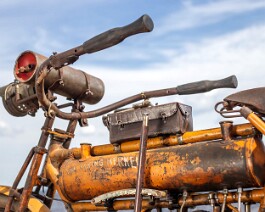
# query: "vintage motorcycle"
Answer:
x=154 y=159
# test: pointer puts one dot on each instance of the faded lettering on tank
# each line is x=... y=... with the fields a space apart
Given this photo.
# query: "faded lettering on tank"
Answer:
x=104 y=165
x=123 y=161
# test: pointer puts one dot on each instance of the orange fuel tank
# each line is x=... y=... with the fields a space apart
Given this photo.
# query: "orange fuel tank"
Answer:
x=202 y=166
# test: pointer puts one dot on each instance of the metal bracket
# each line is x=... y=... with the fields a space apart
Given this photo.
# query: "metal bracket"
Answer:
x=40 y=150
x=226 y=112
x=14 y=194
x=102 y=199
x=65 y=135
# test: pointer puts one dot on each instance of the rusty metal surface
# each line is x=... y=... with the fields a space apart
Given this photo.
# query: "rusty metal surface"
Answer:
x=203 y=166
x=87 y=88
x=250 y=196
x=20 y=99
x=32 y=177
x=226 y=129
x=252 y=98
x=241 y=130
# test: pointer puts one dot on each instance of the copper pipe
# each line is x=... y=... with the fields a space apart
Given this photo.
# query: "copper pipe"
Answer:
x=117 y=205
x=59 y=154
x=188 y=137
x=234 y=209
x=85 y=151
x=253 y=119
x=255 y=195
x=226 y=129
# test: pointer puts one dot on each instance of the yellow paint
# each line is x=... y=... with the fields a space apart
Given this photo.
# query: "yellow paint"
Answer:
x=34 y=204
x=240 y=143
x=4 y=190
x=257 y=122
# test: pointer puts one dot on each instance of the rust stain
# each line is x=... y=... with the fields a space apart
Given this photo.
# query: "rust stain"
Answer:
x=196 y=161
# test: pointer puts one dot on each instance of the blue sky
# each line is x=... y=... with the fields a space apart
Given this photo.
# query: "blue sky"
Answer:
x=191 y=40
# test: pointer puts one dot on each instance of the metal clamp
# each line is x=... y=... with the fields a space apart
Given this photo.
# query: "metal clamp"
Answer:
x=60 y=135
x=40 y=150
x=14 y=193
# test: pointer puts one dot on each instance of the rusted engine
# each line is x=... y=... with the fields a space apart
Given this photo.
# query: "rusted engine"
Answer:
x=202 y=166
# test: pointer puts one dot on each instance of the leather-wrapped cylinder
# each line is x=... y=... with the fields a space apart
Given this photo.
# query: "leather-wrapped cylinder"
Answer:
x=68 y=82
x=202 y=166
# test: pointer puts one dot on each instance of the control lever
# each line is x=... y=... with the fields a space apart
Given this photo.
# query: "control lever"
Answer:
x=103 y=41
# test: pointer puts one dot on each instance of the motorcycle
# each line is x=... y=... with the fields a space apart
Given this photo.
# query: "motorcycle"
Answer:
x=154 y=160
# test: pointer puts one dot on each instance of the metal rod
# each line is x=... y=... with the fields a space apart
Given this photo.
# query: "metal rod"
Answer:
x=247 y=207
x=46 y=103
x=257 y=122
x=70 y=129
x=36 y=162
x=184 y=197
x=224 y=201
x=18 y=178
x=141 y=165
x=239 y=190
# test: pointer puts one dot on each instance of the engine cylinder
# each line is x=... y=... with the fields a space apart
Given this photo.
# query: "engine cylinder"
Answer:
x=67 y=81
x=203 y=166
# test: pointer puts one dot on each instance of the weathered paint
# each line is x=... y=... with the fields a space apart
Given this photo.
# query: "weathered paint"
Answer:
x=203 y=166
x=33 y=204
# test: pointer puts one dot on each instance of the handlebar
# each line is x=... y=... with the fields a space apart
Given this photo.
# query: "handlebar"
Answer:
x=207 y=85
x=203 y=86
x=103 y=41
x=117 y=35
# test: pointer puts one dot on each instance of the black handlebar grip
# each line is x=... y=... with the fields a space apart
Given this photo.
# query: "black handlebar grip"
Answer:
x=207 y=85
x=117 y=35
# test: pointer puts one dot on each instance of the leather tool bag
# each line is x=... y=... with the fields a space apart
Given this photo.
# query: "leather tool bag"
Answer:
x=172 y=118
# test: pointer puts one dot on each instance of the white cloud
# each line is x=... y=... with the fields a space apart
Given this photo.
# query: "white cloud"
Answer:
x=42 y=39
x=203 y=14
x=235 y=53
x=2 y=124
x=5 y=129
x=90 y=129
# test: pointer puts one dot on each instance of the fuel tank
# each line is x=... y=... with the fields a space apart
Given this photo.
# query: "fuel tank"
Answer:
x=202 y=166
